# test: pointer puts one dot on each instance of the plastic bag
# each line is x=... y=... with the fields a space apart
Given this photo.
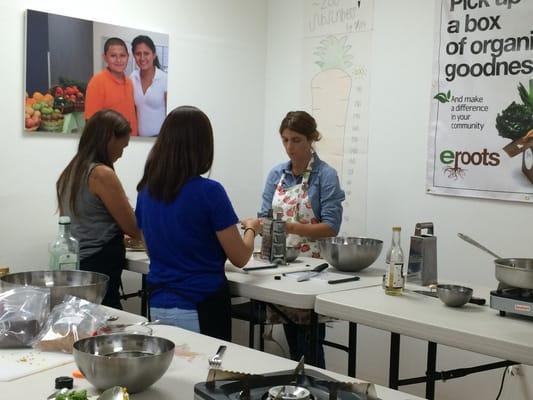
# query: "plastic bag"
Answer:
x=69 y=321
x=23 y=311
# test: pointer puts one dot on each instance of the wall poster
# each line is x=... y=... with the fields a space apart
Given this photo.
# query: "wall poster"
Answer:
x=481 y=124
x=336 y=75
x=71 y=74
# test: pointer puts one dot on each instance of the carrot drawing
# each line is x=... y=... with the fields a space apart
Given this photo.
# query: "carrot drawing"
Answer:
x=330 y=92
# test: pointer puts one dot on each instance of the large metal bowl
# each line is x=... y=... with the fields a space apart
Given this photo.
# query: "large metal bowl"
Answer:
x=350 y=254
x=86 y=285
x=132 y=361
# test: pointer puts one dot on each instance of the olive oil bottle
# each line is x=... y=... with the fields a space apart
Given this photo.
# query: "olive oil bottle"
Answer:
x=394 y=277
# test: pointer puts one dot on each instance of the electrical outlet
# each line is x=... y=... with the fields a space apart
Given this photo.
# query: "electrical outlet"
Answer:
x=515 y=370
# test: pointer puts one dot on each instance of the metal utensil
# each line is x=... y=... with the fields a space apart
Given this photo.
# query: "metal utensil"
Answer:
x=83 y=284
x=314 y=272
x=216 y=360
x=350 y=254
x=114 y=393
x=131 y=361
x=468 y=239
x=510 y=272
x=474 y=300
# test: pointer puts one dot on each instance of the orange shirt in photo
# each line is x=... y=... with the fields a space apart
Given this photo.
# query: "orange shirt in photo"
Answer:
x=106 y=91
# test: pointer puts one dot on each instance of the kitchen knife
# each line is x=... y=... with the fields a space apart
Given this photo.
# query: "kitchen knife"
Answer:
x=314 y=272
x=475 y=300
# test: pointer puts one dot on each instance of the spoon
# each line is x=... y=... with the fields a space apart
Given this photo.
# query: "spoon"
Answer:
x=115 y=393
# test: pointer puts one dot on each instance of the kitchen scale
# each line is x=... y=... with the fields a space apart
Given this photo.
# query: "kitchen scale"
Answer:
x=512 y=300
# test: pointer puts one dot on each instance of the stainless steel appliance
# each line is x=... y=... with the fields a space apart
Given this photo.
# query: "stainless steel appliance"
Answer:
x=280 y=385
x=422 y=264
x=512 y=300
x=273 y=242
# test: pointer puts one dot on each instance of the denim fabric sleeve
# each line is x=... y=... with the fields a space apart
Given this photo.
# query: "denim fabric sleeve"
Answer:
x=331 y=198
x=270 y=187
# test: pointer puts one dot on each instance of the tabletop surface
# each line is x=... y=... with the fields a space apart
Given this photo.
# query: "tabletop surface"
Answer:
x=470 y=327
x=262 y=285
x=188 y=367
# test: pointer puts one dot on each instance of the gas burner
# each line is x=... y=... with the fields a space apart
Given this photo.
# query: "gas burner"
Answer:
x=288 y=392
x=512 y=300
x=285 y=385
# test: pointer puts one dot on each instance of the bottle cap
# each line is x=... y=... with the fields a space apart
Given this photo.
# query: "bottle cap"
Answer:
x=396 y=228
x=64 y=382
x=64 y=220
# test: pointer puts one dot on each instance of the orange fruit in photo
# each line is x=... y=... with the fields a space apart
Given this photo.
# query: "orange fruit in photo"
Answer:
x=38 y=96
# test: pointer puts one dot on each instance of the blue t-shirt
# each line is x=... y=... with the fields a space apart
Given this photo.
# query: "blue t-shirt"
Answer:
x=185 y=254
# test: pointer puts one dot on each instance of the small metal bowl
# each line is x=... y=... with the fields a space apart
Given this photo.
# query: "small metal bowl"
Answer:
x=454 y=295
x=292 y=253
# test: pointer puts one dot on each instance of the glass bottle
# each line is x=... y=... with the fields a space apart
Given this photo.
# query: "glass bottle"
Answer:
x=65 y=250
x=394 y=277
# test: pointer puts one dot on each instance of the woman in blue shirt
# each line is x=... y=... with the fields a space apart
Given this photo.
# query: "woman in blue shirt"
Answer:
x=307 y=192
x=189 y=227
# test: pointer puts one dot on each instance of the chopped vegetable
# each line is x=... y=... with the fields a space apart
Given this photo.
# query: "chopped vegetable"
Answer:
x=73 y=395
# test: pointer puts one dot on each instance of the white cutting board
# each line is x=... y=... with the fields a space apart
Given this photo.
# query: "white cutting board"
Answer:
x=16 y=363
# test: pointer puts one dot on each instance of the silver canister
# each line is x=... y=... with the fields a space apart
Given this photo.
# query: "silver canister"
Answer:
x=279 y=238
x=422 y=265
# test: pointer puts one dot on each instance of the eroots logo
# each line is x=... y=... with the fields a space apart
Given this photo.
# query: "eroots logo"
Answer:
x=455 y=161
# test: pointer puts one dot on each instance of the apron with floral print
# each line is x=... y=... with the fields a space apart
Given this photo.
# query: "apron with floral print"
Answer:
x=295 y=205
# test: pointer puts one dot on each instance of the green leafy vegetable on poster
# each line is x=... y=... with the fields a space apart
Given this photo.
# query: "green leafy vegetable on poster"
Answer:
x=443 y=97
x=517 y=119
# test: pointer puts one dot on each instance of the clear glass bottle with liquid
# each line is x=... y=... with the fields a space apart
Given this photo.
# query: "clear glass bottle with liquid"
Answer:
x=394 y=277
x=65 y=250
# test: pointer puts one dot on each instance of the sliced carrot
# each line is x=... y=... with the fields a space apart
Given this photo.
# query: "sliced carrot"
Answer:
x=77 y=374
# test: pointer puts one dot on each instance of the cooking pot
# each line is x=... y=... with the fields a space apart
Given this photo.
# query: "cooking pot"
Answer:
x=514 y=272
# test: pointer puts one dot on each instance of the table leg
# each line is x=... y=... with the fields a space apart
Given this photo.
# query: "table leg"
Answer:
x=352 y=349
x=313 y=336
x=394 y=361
x=251 y=330
x=430 y=370
x=144 y=297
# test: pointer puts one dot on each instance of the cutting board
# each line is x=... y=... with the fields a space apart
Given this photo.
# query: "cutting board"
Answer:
x=17 y=363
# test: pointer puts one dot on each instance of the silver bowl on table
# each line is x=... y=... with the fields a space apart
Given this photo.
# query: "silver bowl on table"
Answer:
x=454 y=295
x=350 y=254
x=131 y=361
x=86 y=285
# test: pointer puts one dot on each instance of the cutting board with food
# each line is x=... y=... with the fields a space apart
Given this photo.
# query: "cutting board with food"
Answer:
x=17 y=363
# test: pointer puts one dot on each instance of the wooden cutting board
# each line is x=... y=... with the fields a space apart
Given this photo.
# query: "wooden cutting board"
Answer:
x=17 y=363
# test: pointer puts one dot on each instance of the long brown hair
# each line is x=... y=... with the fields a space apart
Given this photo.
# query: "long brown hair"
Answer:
x=183 y=149
x=92 y=148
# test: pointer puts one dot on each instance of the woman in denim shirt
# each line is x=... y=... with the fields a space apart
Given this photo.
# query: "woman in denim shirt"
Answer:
x=307 y=192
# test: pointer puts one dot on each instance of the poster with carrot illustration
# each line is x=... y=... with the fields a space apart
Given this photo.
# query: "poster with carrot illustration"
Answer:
x=481 y=123
x=335 y=83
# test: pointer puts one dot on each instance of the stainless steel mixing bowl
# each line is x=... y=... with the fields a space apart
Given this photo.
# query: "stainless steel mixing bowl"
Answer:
x=83 y=284
x=454 y=295
x=132 y=361
x=350 y=254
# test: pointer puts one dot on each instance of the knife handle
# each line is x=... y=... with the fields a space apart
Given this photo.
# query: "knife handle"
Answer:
x=320 y=267
x=477 y=300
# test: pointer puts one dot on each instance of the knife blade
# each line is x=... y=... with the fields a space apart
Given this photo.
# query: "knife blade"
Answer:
x=314 y=272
